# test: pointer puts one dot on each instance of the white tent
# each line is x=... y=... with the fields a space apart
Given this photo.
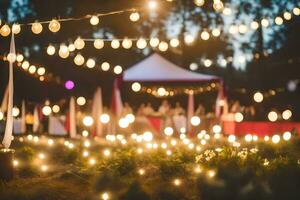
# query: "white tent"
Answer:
x=155 y=68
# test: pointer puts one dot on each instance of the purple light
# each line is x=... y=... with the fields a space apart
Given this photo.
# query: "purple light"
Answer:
x=69 y=85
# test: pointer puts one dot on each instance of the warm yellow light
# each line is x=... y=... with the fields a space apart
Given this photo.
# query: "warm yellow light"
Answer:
x=90 y=63
x=81 y=101
x=44 y=168
x=265 y=22
x=136 y=87
x=32 y=69
x=141 y=43
x=94 y=20
x=15 y=163
x=147 y=136
x=11 y=57
x=161 y=91
x=296 y=11
x=106 y=152
x=275 y=139
x=287 y=15
x=71 y=47
x=79 y=43
x=79 y=60
x=85 y=133
x=141 y=172
x=199 y=2
x=88 y=121
x=207 y=62
x=105 y=196
x=218 y=5
x=195 y=121
x=248 y=138
x=130 y=118
x=104 y=118
x=258 y=97
x=287 y=135
x=177 y=182
x=231 y=138
x=204 y=35
x=243 y=29
x=5 y=30
x=211 y=173
x=189 y=39
x=50 y=50
x=217 y=129
x=278 y=20
x=163 y=46
x=42 y=156
x=25 y=65
x=63 y=51
x=46 y=110
x=154 y=42
x=56 y=108
x=152 y=4
x=168 y=131
x=1 y=115
x=238 y=117
x=105 y=66
x=123 y=123
x=92 y=161
x=36 y=28
x=216 y=32
x=135 y=16
x=41 y=71
x=118 y=69
x=16 y=28
x=20 y=58
x=254 y=25
x=127 y=43
x=54 y=26
x=98 y=44
x=272 y=116
x=174 y=42
x=287 y=114
x=227 y=11
x=115 y=44
x=50 y=142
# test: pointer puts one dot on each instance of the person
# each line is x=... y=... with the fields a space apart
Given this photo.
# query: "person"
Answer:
x=200 y=111
x=164 y=108
x=141 y=110
x=126 y=109
x=178 y=110
x=148 y=110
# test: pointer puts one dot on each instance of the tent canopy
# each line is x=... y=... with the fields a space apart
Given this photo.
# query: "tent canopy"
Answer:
x=155 y=68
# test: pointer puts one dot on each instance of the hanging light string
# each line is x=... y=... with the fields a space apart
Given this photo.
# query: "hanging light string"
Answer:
x=35 y=70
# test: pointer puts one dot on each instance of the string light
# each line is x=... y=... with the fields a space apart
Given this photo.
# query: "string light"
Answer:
x=174 y=42
x=118 y=69
x=272 y=116
x=16 y=29
x=199 y=2
x=195 y=121
x=135 y=16
x=41 y=71
x=258 y=97
x=104 y=118
x=63 y=51
x=88 y=121
x=54 y=26
x=50 y=50
x=154 y=42
x=32 y=69
x=238 y=117
x=127 y=43
x=5 y=30
x=105 y=66
x=141 y=43
x=168 y=131
x=278 y=21
x=71 y=47
x=36 y=28
x=98 y=44
x=90 y=63
x=46 y=110
x=205 y=35
x=79 y=43
x=136 y=87
x=55 y=109
x=287 y=16
x=275 y=139
x=94 y=20
x=115 y=44
x=79 y=60
x=287 y=114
